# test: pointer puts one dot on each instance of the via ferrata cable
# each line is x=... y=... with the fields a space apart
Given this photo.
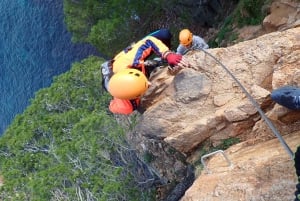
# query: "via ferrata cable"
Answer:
x=262 y=114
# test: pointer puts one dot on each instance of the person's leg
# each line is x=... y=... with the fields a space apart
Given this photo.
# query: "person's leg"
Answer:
x=297 y=167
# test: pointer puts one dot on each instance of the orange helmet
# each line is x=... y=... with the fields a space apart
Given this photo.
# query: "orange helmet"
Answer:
x=128 y=84
x=185 y=37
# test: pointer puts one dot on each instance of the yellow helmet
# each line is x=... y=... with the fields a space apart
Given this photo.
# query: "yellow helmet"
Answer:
x=185 y=37
x=128 y=84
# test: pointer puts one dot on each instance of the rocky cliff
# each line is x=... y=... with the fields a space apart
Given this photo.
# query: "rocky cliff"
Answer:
x=203 y=102
x=201 y=106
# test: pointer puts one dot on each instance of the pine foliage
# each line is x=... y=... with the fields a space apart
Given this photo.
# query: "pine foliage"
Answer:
x=60 y=148
x=112 y=25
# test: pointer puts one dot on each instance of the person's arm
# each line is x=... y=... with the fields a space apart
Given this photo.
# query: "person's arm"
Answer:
x=199 y=43
x=151 y=44
x=173 y=59
x=181 y=49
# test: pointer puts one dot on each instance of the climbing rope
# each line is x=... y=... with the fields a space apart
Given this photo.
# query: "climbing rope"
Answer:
x=269 y=123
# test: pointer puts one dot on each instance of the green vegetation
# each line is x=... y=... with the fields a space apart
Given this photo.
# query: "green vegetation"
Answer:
x=65 y=145
x=148 y=157
x=247 y=12
x=226 y=143
x=112 y=25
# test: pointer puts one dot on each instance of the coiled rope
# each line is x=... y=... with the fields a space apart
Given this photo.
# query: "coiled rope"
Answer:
x=262 y=114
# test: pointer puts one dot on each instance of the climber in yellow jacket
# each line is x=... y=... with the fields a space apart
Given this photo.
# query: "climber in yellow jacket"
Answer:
x=128 y=82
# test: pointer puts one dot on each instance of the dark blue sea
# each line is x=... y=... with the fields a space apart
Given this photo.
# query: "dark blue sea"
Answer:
x=34 y=47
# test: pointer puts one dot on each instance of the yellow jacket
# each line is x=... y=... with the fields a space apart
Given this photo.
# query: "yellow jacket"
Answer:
x=134 y=56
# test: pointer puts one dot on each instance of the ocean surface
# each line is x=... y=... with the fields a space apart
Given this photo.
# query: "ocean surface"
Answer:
x=34 y=47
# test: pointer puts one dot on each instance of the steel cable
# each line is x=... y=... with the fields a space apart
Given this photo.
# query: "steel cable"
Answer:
x=267 y=120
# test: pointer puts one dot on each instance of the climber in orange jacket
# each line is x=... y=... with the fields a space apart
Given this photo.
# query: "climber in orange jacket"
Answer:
x=128 y=82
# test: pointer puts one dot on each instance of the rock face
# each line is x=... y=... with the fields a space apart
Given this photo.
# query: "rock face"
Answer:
x=284 y=14
x=205 y=105
x=261 y=171
x=204 y=102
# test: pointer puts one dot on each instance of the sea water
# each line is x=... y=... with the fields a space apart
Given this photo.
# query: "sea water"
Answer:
x=34 y=47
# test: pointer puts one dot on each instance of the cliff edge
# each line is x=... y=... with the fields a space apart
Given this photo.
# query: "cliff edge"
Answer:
x=202 y=105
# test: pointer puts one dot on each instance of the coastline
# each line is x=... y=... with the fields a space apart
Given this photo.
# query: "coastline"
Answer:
x=30 y=61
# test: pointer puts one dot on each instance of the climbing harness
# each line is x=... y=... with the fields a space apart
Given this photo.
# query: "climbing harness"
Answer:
x=269 y=123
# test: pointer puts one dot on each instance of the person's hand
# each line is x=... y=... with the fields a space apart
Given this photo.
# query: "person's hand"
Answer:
x=173 y=58
x=184 y=63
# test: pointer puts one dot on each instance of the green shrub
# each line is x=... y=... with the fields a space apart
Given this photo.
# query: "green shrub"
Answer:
x=60 y=148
